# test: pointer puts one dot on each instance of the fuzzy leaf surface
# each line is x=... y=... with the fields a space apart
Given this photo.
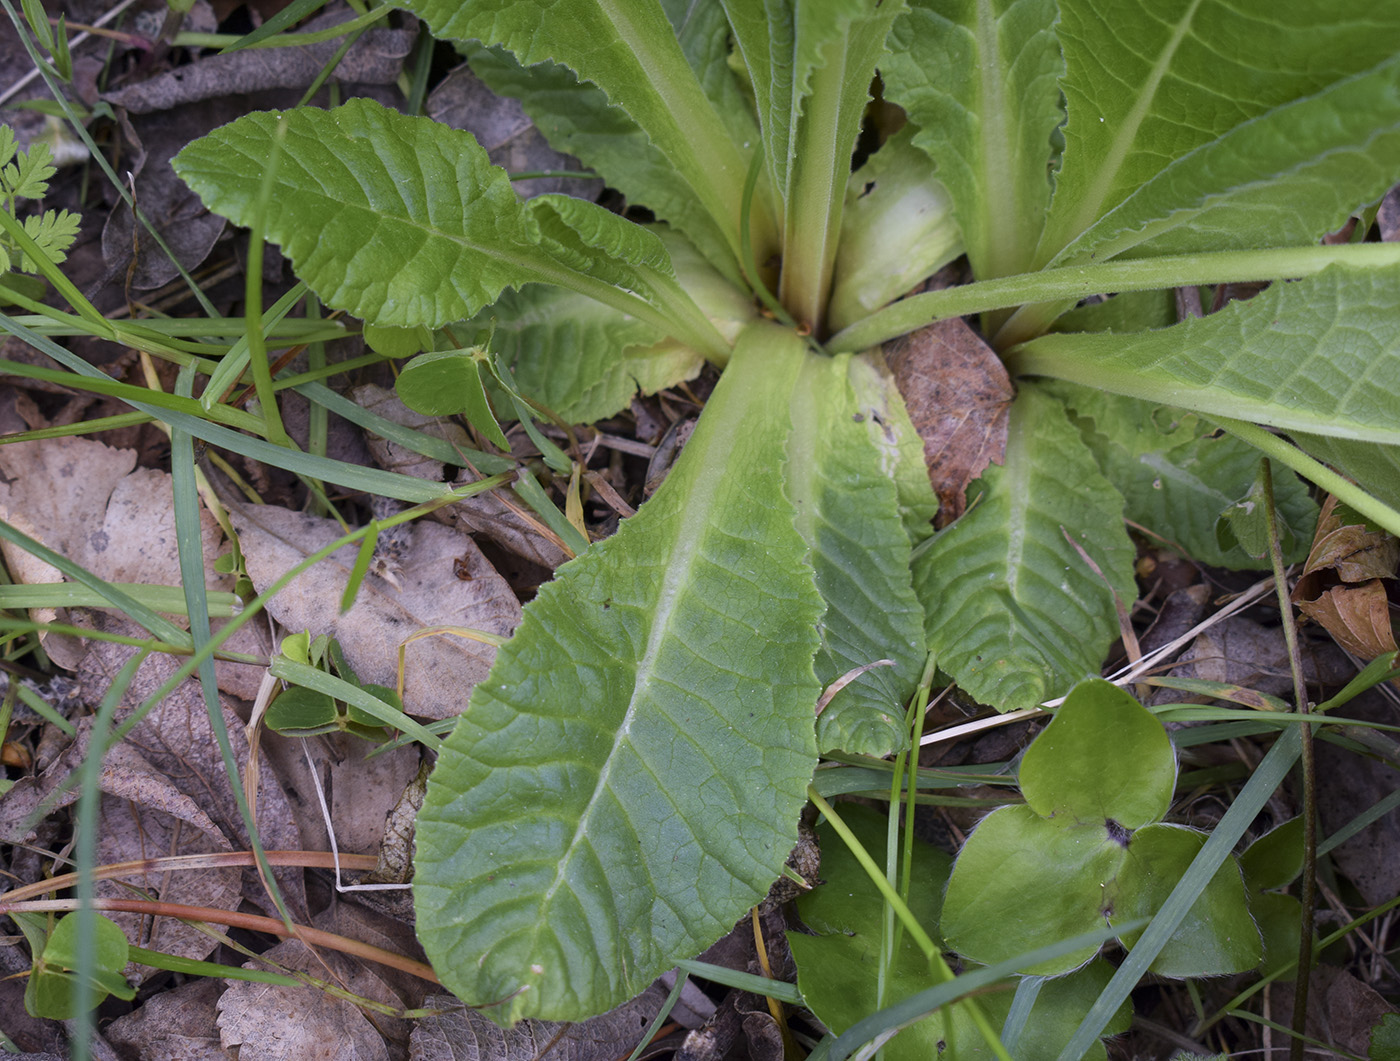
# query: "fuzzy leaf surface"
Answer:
x=399 y=220
x=980 y=80
x=1320 y=355
x=1177 y=476
x=1011 y=610
x=630 y=51
x=576 y=118
x=628 y=780
x=1148 y=83
x=843 y=462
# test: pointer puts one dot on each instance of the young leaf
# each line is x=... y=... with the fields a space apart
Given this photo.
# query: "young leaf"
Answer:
x=980 y=82
x=628 y=780
x=630 y=51
x=1013 y=612
x=1148 y=86
x=841 y=477
x=1319 y=355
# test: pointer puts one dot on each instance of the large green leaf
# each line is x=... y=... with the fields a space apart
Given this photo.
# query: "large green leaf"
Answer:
x=1319 y=355
x=841 y=474
x=576 y=118
x=1147 y=83
x=981 y=82
x=1177 y=474
x=628 y=49
x=403 y=221
x=1013 y=612
x=1284 y=178
x=1377 y=468
x=628 y=779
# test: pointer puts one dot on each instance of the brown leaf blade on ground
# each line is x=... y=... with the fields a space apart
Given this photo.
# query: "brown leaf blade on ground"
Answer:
x=440 y=671
x=174 y=1024
x=959 y=398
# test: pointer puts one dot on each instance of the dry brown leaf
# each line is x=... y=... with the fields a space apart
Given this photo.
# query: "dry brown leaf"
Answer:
x=959 y=396
x=272 y=1023
x=1344 y=584
x=375 y=59
x=176 y=738
x=440 y=670
x=1358 y=617
x=173 y=1025
x=464 y=1035
x=92 y=504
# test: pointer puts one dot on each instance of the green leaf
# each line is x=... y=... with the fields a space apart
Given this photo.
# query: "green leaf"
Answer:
x=448 y=382
x=54 y=233
x=399 y=220
x=841 y=478
x=1377 y=468
x=403 y=221
x=627 y=781
x=1385 y=1039
x=1319 y=355
x=1147 y=84
x=1285 y=178
x=1012 y=611
x=631 y=52
x=980 y=80
x=1066 y=771
x=298 y=708
x=897 y=228
x=838 y=969
x=1020 y=882
x=27 y=177
x=52 y=987
x=1217 y=936
x=580 y=358
x=1177 y=475
x=577 y=119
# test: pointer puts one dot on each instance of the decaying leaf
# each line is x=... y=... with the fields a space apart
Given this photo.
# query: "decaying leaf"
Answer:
x=440 y=671
x=959 y=396
x=92 y=504
x=1344 y=584
x=178 y=1023
x=464 y=1035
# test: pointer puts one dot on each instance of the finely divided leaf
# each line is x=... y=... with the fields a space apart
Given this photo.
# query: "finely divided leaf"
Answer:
x=1320 y=355
x=980 y=81
x=1013 y=612
x=628 y=780
x=1146 y=83
x=842 y=464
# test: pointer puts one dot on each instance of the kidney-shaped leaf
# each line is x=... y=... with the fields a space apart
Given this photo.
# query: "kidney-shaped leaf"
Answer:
x=1104 y=757
x=629 y=778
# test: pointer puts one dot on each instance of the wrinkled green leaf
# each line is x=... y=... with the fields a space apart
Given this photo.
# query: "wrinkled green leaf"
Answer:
x=841 y=472
x=1319 y=355
x=980 y=80
x=1177 y=475
x=631 y=52
x=1148 y=85
x=1012 y=611
x=628 y=779
x=576 y=118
